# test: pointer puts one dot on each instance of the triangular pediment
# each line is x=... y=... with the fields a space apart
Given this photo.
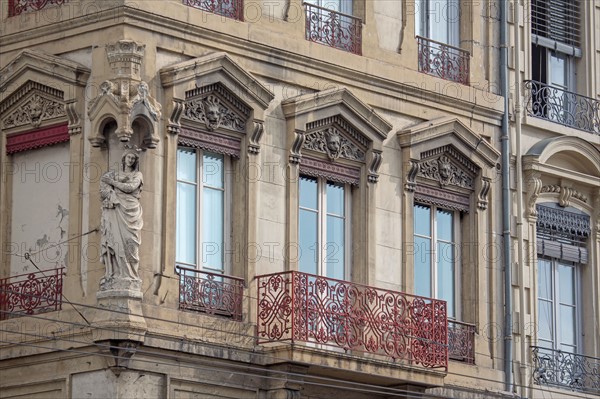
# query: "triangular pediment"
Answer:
x=217 y=68
x=336 y=138
x=309 y=109
x=446 y=166
x=31 y=105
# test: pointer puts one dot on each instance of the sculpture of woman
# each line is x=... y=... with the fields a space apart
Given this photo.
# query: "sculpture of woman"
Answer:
x=121 y=221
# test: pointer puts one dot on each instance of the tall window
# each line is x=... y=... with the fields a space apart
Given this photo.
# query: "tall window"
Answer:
x=324 y=228
x=436 y=274
x=438 y=20
x=555 y=35
x=557 y=305
x=202 y=216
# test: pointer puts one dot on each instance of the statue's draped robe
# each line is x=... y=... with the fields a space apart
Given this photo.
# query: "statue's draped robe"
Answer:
x=121 y=225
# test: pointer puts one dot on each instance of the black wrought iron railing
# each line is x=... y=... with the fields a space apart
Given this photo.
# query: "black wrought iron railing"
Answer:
x=566 y=370
x=444 y=61
x=212 y=293
x=334 y=29
x=228 y=8
x=461 y=341
x=562 y=106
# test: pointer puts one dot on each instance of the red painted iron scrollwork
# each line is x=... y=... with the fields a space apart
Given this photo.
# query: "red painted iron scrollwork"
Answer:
x=297 y=306
x=212 y=293
x=17 y=7
x=32 y=293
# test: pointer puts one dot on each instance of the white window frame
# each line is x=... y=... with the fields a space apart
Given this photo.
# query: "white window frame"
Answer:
x=555 y=344
x=227 y=225
x=424 y=11
x=433 y=255
x=321 y=247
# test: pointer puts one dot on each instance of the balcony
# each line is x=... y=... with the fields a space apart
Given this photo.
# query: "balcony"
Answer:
x=227 y=8
x=562 y=107
x=300 y=307
x=566 y=370
x=18 y=7
x=212 y=293
x=32 y=293
x=444 y=61
x=333 y=29
x=461 y=342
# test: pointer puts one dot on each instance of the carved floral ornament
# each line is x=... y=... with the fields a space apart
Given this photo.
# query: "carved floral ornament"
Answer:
x=331 y=142
x=444 y=171
x=33 y=111
x=214 y=113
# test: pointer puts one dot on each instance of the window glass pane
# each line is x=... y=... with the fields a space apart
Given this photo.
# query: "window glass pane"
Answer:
x=334 y=247
x=567 y=325
x=307 y=236
x=558 y=70
x=186 y=164
x=566 y=283
x=544 y=279
x=545 y=320
x=445 y=276
x=212 y=170
x=423 y=266
x=444 y=225
x=335 y=199
x=308 y=192
x=186 y=224
x=422 y=220
x=212 y=228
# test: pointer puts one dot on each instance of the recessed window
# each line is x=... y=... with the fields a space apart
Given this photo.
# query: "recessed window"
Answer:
x=436 y=269
x=324 y=228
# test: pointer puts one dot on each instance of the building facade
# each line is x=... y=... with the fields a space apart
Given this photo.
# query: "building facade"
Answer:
x=278 y=199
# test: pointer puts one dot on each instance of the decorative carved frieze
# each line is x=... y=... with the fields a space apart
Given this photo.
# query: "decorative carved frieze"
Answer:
x=443 y=198
x=212 y=142
x=214 y=113
x=342 y=125
x=330 y=171
x=445 y=172
x=331 y=142
x=566 y=193
x=33 y=111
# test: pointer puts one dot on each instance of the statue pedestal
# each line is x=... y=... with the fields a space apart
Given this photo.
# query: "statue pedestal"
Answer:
x=119 y=316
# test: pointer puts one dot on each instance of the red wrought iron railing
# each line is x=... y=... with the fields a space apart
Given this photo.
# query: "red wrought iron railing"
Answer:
x=31 y=293
x=461 y=341
x=444 y=61
x=334 y=29
x=297 y=306
x=228 y=8
x=212 y=293
x=17 y=7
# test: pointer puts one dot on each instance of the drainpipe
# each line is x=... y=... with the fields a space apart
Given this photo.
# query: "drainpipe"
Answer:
x=506 y=200
x=520 y=215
